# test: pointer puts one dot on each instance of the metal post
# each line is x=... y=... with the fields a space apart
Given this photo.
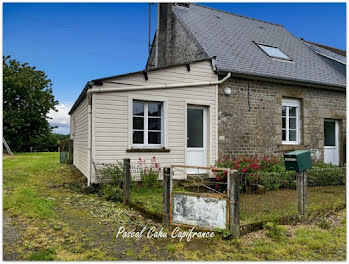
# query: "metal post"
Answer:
x=127 y=180
x=167 y=188
x=234 y=203
x=302 y=191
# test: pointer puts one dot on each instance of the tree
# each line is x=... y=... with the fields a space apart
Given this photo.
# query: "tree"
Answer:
x=47 y=142
x=27 y=99
x=62 y=137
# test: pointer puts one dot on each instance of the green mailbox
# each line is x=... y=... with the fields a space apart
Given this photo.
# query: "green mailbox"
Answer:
x=299 y=160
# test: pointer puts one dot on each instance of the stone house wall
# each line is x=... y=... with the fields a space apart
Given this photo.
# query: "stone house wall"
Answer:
x=253 y=126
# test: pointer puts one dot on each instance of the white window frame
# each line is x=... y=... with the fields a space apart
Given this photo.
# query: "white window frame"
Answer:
x=145 y=126
x=291 y=103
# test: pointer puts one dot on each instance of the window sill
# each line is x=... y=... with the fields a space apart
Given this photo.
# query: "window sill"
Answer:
x=292 y=147
x=147 y=150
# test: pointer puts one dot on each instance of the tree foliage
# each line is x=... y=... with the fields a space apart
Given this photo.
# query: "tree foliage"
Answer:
x=27 y=99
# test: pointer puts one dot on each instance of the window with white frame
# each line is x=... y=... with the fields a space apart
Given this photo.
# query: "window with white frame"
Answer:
x=147 y=124
x=290 y=121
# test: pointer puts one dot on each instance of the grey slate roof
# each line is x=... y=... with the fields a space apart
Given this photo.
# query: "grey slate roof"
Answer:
x=231 y=39
x=326 y=52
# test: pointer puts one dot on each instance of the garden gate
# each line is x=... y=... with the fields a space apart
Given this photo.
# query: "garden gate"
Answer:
x=198 y=204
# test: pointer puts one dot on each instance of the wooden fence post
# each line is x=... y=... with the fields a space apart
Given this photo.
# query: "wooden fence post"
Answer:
x=127 y=180
x=234 y=203
x=167 y=186
x=302 y=191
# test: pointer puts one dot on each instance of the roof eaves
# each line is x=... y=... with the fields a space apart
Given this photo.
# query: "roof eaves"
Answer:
x=80 y=98
x=267 y=77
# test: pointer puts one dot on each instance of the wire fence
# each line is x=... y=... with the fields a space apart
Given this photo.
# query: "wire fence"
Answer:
x=270 y=196
x=264 y=196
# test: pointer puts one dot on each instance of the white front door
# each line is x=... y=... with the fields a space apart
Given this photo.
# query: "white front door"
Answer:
x=331 y=143
x=196 y=138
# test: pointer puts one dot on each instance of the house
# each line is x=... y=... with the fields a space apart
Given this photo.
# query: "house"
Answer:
x=273 y=73
x=215 y=84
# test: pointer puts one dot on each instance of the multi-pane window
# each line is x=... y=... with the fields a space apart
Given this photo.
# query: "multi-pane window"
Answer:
x=147 y=123
x=290 y=121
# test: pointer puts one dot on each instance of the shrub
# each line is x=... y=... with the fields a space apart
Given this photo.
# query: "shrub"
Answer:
x=322 y=165
x=275 y=180
x=112 y=192
x=272 y=174
x=149 y=174
x=326 y=176
x=252 y=164
x=113 y=172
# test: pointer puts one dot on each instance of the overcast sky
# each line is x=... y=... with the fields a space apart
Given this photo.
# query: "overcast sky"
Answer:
x=75 y=43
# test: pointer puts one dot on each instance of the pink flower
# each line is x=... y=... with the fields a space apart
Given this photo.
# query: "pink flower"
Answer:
x=218 y=178
x=244 y=170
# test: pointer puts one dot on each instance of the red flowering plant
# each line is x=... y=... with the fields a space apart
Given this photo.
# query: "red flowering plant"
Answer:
x=250 y=167
x=149 y=172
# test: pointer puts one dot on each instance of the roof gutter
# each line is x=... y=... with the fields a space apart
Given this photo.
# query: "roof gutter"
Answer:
x=286 y=81
x=130 y=88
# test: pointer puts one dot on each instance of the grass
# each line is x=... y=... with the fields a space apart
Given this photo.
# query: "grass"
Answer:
x=22 y=185
x=43 y=255
x=276 y=204
x=27 y=202
x=150 y=198
x=56 y=221
x=258 y=207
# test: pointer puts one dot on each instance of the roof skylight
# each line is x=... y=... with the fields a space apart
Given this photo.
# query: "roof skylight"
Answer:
x=274 y=52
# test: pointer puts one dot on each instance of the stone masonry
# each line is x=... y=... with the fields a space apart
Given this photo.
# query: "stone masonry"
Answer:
x=175 y=44
x=252 y=126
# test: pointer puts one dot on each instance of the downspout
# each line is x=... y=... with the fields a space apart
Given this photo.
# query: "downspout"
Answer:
x=89 y=144
x=133 y=88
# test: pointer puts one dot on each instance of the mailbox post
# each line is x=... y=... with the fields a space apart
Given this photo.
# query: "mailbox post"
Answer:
x=300 y=161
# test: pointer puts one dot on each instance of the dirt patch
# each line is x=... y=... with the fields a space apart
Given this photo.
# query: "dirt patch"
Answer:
x=11 y=239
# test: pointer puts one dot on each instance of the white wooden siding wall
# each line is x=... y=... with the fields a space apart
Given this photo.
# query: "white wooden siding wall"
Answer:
x=112 y=112
x=80 y=136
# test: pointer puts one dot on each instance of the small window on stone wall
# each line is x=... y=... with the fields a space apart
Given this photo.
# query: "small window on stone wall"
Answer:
x=290 y=121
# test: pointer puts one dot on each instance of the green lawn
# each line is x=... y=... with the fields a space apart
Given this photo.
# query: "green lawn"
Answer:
x=275 y=204
x=48 y=217
x=258 y=207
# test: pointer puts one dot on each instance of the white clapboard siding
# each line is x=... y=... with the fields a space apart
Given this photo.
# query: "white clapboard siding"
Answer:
x=111 y=127
x=79 y=131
